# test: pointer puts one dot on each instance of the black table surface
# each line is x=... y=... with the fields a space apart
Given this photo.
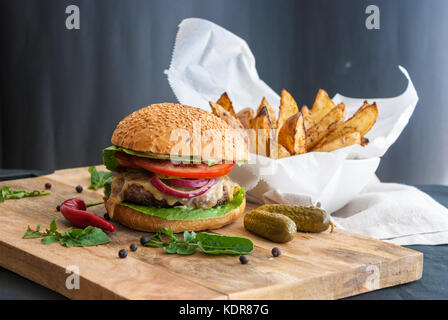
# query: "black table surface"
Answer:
x=433 y=284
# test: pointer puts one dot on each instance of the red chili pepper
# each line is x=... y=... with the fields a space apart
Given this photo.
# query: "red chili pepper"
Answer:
x=74 y=210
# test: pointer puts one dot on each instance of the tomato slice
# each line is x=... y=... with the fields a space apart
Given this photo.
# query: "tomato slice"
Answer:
x=195 y=171
x=125 y=160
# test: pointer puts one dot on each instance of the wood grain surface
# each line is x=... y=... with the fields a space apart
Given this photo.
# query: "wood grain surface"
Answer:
x=312 y=266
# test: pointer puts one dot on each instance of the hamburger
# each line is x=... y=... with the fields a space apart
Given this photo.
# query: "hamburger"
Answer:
x=170 y=164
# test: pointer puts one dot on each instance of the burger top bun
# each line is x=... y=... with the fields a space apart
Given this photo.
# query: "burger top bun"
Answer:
x=150 y=130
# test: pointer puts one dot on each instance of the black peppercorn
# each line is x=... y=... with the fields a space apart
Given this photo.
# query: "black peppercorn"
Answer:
x=78 y=189
x=48 y=185
x=58 y=207
x=244 y=259
x=144 y=240
x=123 y=253
x=276 y=252
x=133 y=247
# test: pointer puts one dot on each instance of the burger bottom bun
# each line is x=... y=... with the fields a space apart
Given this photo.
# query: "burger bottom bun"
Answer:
x=143 y=222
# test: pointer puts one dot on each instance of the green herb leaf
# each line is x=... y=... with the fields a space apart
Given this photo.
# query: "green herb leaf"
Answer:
x=33 y=233
x=189 y=236
x=217 y=244
x=181 y=248
x=53 y=226
x=186 y=249
x=90 y=236
x=208 y=242
x=98 y=178
x=92 y=204
x=7 y=193
x=49 y=240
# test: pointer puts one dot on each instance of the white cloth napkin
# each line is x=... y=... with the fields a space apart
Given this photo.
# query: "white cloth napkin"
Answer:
x=395 y=213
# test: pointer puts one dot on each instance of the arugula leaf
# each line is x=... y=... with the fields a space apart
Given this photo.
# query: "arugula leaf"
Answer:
x=189 y=236
x=218 y=244
x=7 y=193
x=208 y=242
x=98 y=178
x=32 y=233
x=49 y=240
x=90 y=236
x=181 y=248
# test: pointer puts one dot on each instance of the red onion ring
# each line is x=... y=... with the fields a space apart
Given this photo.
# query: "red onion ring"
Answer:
x=196 y=183
x=156 y=182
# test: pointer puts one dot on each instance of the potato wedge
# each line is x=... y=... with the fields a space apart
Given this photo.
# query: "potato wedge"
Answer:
x=271 y=112
x=246 y=116
x=348 y=139
x=220 y=112
x=225 y=102
x=282 y=152
x=277 y=151
x=262 y=126
x=364 y=141
x=292 y=134
x=362 y=121
x=288 y=108
x=307 y=119
x=322 y=105
x=324 y=126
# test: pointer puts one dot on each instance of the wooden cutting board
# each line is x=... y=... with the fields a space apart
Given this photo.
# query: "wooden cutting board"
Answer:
x=312 y=266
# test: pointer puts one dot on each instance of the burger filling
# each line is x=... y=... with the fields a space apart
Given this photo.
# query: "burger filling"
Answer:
x=135 y=186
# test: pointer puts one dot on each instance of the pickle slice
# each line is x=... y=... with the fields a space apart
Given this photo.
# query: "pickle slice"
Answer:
x=270 y=225
x=307 y=219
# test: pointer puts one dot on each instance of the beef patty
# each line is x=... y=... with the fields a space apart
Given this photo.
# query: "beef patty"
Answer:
x=137 y=194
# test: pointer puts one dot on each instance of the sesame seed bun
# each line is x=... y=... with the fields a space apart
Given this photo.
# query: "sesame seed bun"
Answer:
x=149 y=130
x=139 y=221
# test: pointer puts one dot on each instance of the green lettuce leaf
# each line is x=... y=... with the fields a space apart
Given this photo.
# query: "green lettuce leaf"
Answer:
x=111 y=162
x=190 y=214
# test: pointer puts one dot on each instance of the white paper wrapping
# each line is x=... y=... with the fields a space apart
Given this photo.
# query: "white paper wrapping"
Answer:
x=208 y=60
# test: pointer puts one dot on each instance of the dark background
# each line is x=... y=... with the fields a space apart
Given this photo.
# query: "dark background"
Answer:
x=63 y=91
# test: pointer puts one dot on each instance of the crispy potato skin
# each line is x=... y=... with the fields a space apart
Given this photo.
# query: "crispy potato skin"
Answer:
x=277 y=151
x=246 y=116
x=220 y=112
x=329 y=122
x=362 y=121
x=288 y=108
x=348 y=139
x=307 y=119
x=282 y=152
x=292 y=135
x=322 y=105
x=265 y=104
x=262 y=126
x=225 y=102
